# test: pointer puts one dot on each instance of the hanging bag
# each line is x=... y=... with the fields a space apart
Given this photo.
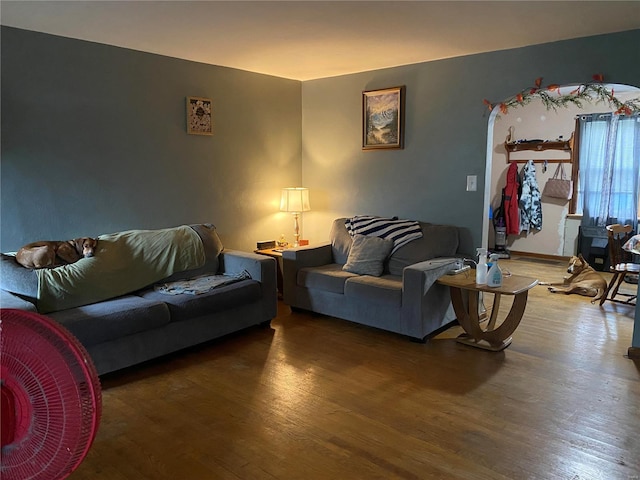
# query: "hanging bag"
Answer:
x=559 y=186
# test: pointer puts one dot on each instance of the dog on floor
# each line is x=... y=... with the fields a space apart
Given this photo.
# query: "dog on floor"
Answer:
x=582 y=279
x=49 y=254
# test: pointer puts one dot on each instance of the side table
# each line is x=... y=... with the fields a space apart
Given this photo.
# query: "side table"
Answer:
x=277 y=254
x=466 y=309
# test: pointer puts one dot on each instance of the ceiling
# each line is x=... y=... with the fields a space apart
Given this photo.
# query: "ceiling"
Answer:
x=304 y=40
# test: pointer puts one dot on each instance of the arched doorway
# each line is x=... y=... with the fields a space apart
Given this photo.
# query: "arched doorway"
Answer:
x=535 y=120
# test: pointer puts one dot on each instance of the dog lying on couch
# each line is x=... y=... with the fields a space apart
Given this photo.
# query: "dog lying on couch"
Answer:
x=583 y=280
x=110 y=304
x=49 y=254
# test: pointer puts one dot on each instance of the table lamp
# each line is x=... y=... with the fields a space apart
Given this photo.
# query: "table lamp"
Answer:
x=295 y=200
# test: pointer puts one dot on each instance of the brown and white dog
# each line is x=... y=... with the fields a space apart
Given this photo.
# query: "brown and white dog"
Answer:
x=583 y=280
x=47 y=254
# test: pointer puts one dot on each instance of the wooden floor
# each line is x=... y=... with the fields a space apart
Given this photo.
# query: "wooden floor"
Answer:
x=314 y=397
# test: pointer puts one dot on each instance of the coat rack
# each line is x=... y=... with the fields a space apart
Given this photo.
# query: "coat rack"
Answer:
x=540 y=146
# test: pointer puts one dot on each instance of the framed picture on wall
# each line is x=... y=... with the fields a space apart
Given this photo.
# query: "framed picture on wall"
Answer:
x=383 y=118
x=199 y=116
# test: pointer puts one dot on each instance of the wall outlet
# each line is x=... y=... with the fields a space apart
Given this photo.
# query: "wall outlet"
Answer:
x=472 y=183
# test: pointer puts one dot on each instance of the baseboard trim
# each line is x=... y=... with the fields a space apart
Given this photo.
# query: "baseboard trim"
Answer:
x=634 y=353
x=539 y=255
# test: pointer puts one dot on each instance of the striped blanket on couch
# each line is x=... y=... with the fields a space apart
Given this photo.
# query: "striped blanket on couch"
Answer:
x=400 y=231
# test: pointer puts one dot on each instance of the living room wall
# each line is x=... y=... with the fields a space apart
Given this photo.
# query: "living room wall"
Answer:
x=94 y=141
x=446 y=129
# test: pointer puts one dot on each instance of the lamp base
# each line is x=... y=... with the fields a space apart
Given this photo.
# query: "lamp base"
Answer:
x=296 y=230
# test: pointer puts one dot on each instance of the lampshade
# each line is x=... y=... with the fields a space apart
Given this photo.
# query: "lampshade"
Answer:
x=295 y=199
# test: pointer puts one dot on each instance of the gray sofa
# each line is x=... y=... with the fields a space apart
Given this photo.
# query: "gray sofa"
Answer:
x=142 y=324
x=404 y=299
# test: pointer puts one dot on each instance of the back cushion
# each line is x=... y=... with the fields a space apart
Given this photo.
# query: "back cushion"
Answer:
x=436 y=241
x=340 y=241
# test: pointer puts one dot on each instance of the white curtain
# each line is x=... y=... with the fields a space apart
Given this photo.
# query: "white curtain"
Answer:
x=609 y=169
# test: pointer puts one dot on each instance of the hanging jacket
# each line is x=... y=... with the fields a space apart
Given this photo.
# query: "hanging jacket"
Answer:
x=530 y=205
x=511 y=206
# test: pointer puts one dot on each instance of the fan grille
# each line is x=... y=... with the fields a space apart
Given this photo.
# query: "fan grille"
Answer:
x=53 y=391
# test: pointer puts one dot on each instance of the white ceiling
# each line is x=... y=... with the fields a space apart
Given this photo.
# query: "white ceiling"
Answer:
x=304 y=40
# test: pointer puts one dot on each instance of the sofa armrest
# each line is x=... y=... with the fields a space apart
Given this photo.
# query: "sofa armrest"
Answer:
x=260 y=267
x=424 y=274
x=16 y=279
x=9 y=300
x=425 y=303
x=294 y=259
x=302 y=257
x=235 y=261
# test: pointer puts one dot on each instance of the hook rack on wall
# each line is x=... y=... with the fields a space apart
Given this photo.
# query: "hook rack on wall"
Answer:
x=539 y=146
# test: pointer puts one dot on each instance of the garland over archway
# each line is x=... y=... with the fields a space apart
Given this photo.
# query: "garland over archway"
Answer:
x=552 y=98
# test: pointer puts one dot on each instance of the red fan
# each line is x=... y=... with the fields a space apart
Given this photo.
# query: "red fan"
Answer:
x=51 y=398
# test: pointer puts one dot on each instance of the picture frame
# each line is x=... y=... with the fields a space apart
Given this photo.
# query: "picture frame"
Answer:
x=199 y=116
x=383 y=118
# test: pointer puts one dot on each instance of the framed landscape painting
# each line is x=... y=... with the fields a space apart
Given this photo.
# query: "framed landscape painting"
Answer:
x=383 y=118
x=199 y=121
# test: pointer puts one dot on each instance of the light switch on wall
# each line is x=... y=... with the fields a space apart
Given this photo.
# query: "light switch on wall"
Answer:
x=472 y=183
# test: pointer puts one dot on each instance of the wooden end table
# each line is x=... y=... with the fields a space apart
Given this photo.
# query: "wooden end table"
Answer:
x=277 y=254
x=490 y=338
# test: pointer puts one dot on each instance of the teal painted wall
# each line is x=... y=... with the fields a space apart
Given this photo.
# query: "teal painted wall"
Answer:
x=446 y=129
x=94 y=141
x=93 y=138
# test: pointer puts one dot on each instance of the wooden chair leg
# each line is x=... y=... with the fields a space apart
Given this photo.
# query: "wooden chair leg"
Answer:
x=605 y=295
x=620 y=277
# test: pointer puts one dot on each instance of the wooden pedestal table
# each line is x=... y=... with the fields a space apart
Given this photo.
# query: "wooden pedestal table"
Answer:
x=466 y=305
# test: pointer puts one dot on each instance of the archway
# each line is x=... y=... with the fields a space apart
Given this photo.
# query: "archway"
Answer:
x=510 y=116
x=634 y=349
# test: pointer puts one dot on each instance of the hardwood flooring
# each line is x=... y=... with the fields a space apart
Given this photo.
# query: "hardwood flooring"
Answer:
x=315 y=397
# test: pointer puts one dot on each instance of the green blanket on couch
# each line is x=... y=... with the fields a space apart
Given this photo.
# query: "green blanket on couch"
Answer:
x=123 y=262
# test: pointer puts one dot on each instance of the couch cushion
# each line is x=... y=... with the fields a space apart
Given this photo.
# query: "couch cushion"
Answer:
x=367 y=255
x=111 y=319
x=186 y=306
x=340 y=241
x=386 y=289
x=328 y=277
x=436 y=241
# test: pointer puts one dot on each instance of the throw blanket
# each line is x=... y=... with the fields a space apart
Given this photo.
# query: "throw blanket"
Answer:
x=201 y=284
x=124 y=262
x=400 y=231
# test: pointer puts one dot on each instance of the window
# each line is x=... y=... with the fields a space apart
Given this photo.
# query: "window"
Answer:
x=607 y=168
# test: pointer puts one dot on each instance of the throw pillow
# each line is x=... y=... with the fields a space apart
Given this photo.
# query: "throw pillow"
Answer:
x=367 y=255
